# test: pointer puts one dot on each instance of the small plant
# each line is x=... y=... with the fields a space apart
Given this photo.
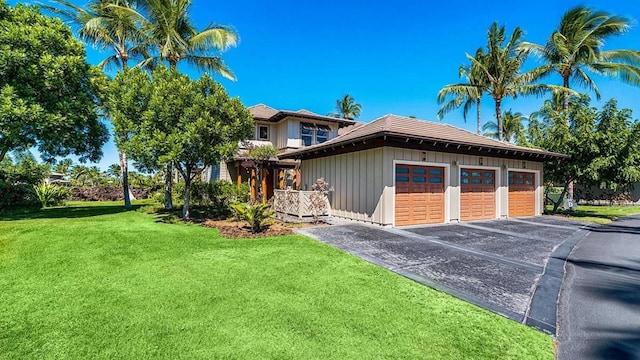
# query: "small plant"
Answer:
x=255 y=215
x=49 y=194
x=318 y=199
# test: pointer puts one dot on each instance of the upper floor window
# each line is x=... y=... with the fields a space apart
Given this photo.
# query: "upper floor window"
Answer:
x=263 y=132
x=314 y=134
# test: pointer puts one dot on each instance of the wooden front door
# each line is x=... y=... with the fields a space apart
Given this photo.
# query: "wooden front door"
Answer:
x=419 y=195
x=477 y=194
x=522 y=194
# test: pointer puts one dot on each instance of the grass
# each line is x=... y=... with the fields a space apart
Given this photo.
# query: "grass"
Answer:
x=598 y=214
x=95 y=281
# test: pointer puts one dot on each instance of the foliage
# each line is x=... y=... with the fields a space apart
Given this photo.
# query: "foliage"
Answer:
x=16 y=196
x=259 y=157
x=512 y=127
x=85 y=176
x=575 y=47
x=347 y=108
x=318 y=198
x=17 y=175
x=602 y=144
x=48 y=93
x=186 y=123
x=215 y=197
x=50 y=194
x=255 y=215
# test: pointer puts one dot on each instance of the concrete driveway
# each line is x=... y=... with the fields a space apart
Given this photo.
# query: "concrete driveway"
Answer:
x=511 y=267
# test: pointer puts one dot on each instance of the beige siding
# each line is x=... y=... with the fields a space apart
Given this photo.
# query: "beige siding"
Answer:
x=364 y=180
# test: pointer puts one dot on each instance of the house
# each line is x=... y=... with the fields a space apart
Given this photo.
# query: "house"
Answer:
x=397 y=171
x=285 y=130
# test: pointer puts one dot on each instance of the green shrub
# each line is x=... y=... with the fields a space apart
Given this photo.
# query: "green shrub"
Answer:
x=16 y=196
x=255 y=215
x=215 y=196
x=50 y=195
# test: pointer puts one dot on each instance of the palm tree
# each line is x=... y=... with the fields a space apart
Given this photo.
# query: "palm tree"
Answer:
x=465 y=94
x=575 y=48
x=512 y=127
x=502 y=65
x=176 y=38
x=104 y=26
x=347 y=108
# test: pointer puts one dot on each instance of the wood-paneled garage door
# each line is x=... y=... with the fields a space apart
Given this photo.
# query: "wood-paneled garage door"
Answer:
x=477 y=194
x=419 y=195
x=522 y=194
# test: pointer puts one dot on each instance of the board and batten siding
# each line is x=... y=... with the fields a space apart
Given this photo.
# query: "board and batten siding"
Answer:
x=364 y=180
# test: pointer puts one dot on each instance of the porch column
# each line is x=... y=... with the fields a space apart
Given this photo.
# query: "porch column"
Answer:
x=239 y=169
x=281 y=179
x=253 y=184
x=264 y=185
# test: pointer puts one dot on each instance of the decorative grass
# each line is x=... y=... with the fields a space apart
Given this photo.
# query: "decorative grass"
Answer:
x=93 y=281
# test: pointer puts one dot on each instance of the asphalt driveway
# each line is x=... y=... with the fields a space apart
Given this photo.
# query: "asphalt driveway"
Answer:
x=511 y=267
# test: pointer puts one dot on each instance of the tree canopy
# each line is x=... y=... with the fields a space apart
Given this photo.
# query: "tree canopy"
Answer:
x=48 y=92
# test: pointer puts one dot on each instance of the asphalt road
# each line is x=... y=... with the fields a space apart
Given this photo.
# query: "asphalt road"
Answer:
x=599 y=307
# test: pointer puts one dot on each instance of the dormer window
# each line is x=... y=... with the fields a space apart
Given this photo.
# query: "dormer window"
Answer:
x=263 y=132
x=314 y=134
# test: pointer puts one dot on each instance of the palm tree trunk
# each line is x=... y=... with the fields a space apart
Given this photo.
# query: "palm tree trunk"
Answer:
x=478 y=115
x=565 y=107
x=124 y=169
x=187 y=193
x=499 y=118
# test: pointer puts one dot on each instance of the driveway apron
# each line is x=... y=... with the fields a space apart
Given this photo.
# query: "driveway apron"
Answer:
x=506 y=266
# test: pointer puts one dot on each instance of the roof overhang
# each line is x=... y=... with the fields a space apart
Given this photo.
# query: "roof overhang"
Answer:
x=280 y=115
x=386 y=138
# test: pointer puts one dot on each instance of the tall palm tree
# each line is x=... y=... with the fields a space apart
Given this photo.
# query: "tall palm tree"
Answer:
x=512 y=127
x=465 y=94
x=347 y=108
x=175 y=37
x=575 y=48
x=106 y=28
x=502 y=66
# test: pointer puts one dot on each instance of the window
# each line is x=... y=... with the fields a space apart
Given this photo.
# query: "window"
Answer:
x=306 y=132
x=263 y=132
x=314 y=134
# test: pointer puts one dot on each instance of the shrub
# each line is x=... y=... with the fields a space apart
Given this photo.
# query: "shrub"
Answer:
x=255 y=215
x=16 y=196
x=50 y=195
x=216 y=195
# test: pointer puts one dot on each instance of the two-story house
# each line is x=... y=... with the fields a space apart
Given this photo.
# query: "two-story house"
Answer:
x=286 y=131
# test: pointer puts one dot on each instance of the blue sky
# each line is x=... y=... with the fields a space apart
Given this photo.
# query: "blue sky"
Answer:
x=392 y=57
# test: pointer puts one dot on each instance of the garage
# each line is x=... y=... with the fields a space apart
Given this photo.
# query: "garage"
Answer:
x=477 y=194
x=419 y=195
x=522 y=194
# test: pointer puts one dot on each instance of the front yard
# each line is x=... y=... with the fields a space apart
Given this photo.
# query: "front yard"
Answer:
x=598 y=214
x=93 y=281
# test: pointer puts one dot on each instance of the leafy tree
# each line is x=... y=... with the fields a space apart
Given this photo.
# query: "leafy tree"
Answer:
x=48 y=92
x=603 y=147
x=347 y=108
x=575 y=48
x=23 y=168
x=189 y=124
x=465 y=94
x=512 y=127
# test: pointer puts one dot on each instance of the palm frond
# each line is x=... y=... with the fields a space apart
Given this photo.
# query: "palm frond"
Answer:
x=211 y=63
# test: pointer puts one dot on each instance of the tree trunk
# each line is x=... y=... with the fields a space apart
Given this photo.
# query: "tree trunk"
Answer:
x=556 y=205
x=168 y=185
x=124 y=170
x=499 y=118
x=478 y=115
x=565 y=94
x=3 y=153
x=187 y=194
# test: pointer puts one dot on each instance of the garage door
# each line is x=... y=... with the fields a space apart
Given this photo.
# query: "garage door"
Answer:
x=419 y=195
x=477 y=194
x=522 y=194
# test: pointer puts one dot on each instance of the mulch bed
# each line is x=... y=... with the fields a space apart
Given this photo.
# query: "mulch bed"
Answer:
x=235 y=229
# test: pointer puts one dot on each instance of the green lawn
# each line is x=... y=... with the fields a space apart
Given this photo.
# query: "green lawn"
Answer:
x=93 y=281
x=599 y=214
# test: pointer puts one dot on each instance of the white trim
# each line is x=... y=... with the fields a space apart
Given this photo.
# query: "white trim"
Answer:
x=538 y=191
x=445 y=182
x=496 y=186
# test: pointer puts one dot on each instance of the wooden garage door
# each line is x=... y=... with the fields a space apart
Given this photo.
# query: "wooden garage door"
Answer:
x=522 y=194
x=477 y=194
x=419 y=195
